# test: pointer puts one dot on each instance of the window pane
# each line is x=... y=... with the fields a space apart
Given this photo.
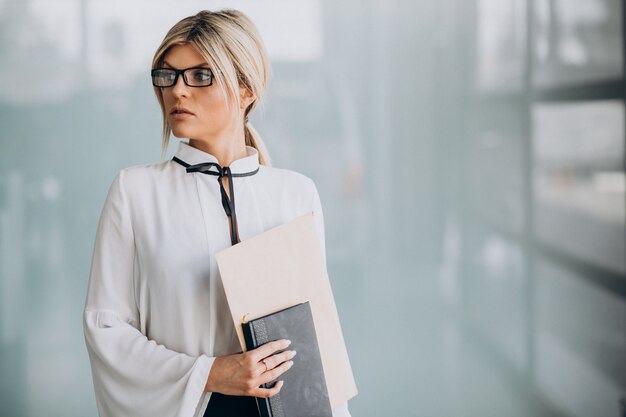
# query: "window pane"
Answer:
x=579 y=182
x=495 y=290
x=495 y=161
x=501 y=39
x=579 y=344
x=39 y=37
x=576 y=41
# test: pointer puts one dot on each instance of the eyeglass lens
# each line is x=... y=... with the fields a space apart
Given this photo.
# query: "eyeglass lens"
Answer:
x=193 y=77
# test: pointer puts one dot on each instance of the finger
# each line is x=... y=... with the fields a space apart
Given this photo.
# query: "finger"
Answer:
x=275 y=360
x=275 y=373
x=261 y=368
x=268 y=392
x=267 y=349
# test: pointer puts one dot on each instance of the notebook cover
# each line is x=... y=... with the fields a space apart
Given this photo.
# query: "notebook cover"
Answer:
x=304 y=392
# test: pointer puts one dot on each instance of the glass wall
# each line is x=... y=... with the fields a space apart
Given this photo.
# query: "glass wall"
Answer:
x=470 y=158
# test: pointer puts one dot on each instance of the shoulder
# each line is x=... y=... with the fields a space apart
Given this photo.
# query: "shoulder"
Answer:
x=144 y=171
x=138 y=176
x=289 y=180
x=291 y=187
x=137 y=182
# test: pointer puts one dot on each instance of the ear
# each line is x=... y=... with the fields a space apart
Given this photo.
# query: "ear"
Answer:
x=246 y=97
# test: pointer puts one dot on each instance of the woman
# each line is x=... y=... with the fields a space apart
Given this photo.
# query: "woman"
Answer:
x=157 y=327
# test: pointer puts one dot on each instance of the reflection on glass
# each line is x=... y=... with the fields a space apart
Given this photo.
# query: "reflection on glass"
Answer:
x=495 y=174
x=579 y=180
x=39 y=51
x=580 y=343
x=495 y=287
x=577 y=41
x=501 y=49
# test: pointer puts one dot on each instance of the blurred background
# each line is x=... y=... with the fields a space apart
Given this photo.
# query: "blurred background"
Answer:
x=470 y=160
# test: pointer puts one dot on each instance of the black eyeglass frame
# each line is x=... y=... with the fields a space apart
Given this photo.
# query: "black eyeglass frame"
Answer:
x=182 y=71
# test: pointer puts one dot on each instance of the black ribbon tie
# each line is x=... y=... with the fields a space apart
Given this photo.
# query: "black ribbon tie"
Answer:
x=212 y=168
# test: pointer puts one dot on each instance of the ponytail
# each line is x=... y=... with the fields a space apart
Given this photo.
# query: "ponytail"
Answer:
x=254 y=139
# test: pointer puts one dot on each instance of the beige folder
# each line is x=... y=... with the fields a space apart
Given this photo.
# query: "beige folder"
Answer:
x=277 y=269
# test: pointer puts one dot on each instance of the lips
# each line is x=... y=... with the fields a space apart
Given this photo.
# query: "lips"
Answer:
x=180 y=110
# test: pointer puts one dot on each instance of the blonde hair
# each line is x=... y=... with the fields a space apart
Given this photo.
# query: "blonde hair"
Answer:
x=230 y=43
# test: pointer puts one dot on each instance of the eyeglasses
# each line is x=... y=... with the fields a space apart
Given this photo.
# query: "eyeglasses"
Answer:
x=193 y=77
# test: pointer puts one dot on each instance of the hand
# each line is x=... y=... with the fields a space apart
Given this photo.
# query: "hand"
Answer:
x=243 y=373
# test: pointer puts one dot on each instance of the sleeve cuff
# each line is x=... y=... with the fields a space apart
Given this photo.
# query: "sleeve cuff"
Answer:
x=192 y=402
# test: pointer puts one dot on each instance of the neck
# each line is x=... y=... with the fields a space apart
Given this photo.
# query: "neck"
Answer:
x=227 y=147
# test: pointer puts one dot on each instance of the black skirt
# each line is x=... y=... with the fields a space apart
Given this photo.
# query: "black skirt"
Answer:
x=221 y=405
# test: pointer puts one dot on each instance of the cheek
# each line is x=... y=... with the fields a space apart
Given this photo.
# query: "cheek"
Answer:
x=168 y=99
x=212 y=100
x=213 y=106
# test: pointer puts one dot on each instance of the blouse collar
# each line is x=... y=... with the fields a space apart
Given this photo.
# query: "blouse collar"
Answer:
x=194 y=156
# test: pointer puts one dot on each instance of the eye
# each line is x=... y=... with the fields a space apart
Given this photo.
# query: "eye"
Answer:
x=202 y=74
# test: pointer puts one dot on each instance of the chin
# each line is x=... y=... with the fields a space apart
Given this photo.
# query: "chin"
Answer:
x=182 y=133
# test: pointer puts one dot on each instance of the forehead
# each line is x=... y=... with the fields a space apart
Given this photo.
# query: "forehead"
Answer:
x=183 y=56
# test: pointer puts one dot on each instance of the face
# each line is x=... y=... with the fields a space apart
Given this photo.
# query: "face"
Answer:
x=210 y=117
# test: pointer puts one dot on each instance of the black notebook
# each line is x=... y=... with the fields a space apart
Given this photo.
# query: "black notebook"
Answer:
x=304 y=392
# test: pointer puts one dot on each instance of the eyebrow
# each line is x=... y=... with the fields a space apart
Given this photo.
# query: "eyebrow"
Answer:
x=203 y=64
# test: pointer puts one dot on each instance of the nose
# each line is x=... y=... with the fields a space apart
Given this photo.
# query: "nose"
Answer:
x=180 y=89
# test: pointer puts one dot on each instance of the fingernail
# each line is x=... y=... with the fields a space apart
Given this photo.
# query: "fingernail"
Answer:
x=290 y=364
x=292 y=354
x=288 y=342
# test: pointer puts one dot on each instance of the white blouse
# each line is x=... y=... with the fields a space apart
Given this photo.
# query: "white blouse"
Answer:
x=156 y=315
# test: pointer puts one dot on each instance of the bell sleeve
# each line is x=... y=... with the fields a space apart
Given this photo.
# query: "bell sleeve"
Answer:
x=342 y=409
x=132 y=375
